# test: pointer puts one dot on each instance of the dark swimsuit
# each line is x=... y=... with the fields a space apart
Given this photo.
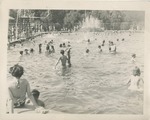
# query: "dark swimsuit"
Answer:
x=19 y=104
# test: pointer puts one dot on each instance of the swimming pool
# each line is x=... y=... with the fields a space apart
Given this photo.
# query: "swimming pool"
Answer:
x=95 y=84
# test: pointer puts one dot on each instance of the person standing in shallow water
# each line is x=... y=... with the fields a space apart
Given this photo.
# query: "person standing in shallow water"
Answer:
x=63 y=60
x=40 y=48
x=68 y=55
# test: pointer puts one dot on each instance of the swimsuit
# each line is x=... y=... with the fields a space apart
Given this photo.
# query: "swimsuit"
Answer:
x=19 y=104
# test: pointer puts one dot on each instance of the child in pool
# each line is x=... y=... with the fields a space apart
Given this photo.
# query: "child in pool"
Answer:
x=36 y=94
x=135 y=79
x=17 y=89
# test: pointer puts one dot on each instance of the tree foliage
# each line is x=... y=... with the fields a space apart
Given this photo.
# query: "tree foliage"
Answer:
x=112 y=19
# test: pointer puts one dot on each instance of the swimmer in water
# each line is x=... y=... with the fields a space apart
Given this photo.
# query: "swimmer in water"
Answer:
x=21 y=53
x=40 y=48
x=122 y=39
x=68 y=55
x=135 y=79
x=112 y=47
x=63 y=60
x=89 y=41
x=60 y=45
x=133 y=58
x=36 y=94
x=31 y=50
x=64 y=45
x=26 y=51
x=103 y=41
x=100 y=49
x=87 y=50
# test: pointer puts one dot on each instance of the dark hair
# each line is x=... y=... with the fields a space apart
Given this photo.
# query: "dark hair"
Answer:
x=60 y=45
x=31 y=50
x=133 y=55
x=21 y=52
x=87 y=50
x=16 y=71
x=35 y=93
x=62 y=52
x=69 y=45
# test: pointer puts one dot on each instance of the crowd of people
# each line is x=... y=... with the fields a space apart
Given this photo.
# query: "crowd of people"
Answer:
x=19 y=87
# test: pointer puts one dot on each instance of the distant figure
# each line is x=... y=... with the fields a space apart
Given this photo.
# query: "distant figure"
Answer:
x=135 y=79
x=52 y=47
x=122 y=39
x=89 y=41
x=31 y=50
x=47 y=48
x=26 y=51
x=133 y=58
x=63 y=60
x=52 y=41
x=100 y=49
x=60 y=45
x=40 y=48
x=69 y=43
x=36 y=95
x=87 y=50
x=68 y=55
x=64 y=45
x=103 y=41
x=21 y=53
x=112 y=47
x=117 y=39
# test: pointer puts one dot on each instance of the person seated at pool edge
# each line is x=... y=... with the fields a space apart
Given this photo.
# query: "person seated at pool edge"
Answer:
x=17 y=89
x=36 y=95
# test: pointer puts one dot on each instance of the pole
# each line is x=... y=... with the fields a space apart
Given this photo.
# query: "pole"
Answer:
x=16 y=31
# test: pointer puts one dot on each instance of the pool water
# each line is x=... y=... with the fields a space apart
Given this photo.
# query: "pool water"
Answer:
x=96 y=82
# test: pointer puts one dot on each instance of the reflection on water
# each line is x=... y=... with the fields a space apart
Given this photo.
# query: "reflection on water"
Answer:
x=94 y=84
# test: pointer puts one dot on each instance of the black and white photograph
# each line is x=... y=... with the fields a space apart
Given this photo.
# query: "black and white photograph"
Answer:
x=75 y=61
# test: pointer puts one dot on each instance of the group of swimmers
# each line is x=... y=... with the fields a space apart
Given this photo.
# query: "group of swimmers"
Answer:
x=112 y=46
x=19 y=87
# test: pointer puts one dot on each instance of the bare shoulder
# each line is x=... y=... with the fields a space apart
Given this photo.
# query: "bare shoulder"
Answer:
x=24 y=81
